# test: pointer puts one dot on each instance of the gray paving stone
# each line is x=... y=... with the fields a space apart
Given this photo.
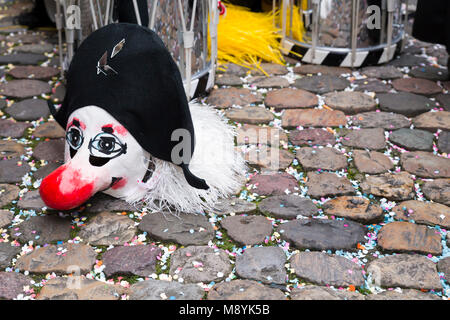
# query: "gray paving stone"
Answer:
x=233 y=205
x=429 y=73
x=385 y=120
x=401 y=236
x=53 y=259
x=12 y=129
x=290 y=98
x=29 y=110
x=372 y=139
x=269 y=158
x=271 y=69
x=268 y=82
x=444 y=267
x=328 y=184
x=372 y=85
x=432 y=121
x=135 y=260
x=322 y=234
x=350 y=102
x=252 y=115
x=425 y=164
x=187 y=229
x=228 y=80
x=412 y=139
x=11 y=149
x=8 y=193
x=24 y=88
x=12 y=170
x=371 y=162
x=42 y=229
x=305 y=69
x=34 y=48
x=444 y=142
x=226 y=98
x=313 y=292
x=407 y=294
x=265 y=264
x=12 y=283
x=312 y=137
x=33 y=72
x=354 y=208
x=288 y=206
x=326 y=158
x=273 y=184
x=22 y=58
x=322 y=84
x=74 y=288
x=324 y=269
x=423 y=212
x=382 y=72
x=162 y=290
x=247 y=230
x=31 y=201
x=7 y=253
x=392 y=186
x=196 y=264
x=418 y=86
x=438 y=190
x=244 y=290
x=108 y=228
x=408 y=104
x=6 y=217
x=102 y=202
x=408 y=60
x=405 y=271
x=51 y=150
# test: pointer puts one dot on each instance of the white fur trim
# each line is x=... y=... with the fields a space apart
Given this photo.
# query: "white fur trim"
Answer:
x=215 y=159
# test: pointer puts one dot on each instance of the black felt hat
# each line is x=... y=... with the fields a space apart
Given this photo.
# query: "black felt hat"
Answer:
x=126 y=70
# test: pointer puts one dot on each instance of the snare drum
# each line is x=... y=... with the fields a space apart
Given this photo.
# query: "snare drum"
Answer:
x=346 y=33
x=188 y=28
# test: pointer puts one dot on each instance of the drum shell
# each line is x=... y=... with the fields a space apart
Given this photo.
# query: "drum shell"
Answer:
x=341 y=29
x=165 y=20
x=167 y=24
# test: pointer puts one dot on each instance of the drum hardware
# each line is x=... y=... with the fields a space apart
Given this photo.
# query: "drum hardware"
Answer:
x=390 y=11
x=58 y=21
x=335 y=32
x=354 y=34
x=136 y=11
x=315 y=30
x=188 y=44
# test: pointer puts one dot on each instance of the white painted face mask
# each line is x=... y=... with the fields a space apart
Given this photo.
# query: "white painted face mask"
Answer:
x=102 y=156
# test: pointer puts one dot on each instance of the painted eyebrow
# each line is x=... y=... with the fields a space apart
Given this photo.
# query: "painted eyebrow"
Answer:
x=77 y=123
x=108 y=128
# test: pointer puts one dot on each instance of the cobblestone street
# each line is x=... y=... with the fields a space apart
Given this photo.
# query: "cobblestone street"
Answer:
x=356 y=208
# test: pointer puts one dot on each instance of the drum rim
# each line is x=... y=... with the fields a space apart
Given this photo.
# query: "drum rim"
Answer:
x=395 y=41
x=201 y=72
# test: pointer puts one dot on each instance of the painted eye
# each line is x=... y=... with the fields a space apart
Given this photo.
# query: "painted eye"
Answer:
x=106 y=144
x=74 y=137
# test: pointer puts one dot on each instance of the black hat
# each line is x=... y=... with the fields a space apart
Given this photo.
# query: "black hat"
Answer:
x=126 y=70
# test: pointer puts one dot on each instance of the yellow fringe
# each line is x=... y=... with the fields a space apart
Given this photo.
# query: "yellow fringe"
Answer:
x=297 y=22
x=246 y=38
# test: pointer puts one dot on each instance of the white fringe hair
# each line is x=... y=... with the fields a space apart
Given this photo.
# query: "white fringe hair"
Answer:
x=215 y=159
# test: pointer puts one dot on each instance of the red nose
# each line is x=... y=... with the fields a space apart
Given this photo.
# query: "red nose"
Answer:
x=66 y=188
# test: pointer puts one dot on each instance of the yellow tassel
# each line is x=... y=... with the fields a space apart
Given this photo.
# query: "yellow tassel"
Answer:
x=297 y=22
x=246 y=38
